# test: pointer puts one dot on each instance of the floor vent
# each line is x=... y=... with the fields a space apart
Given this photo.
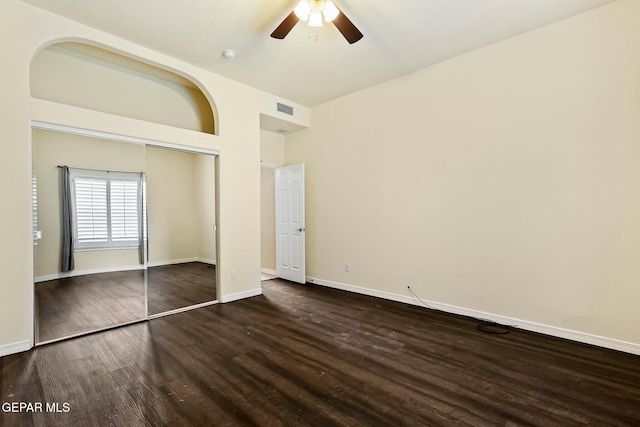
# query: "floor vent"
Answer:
x=287 y=109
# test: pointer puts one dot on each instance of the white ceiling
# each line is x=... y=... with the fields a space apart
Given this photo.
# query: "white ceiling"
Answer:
x=312 y=66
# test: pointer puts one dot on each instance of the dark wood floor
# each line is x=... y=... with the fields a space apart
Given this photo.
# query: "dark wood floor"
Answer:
x=180 y=285
x=75 y=305
x=305 y=355
x=80 y=304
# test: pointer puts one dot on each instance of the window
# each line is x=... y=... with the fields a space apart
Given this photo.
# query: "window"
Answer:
x=107 y=211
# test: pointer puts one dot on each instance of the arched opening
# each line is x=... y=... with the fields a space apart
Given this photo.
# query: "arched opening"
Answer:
x=169 y=191
x=98 y=79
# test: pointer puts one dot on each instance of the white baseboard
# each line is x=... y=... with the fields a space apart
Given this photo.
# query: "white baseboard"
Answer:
x=555 y=331
x=170 y=262
x=76 y=273
x=14 y=348
x=180 y=261
x=241 y=295
x=268 y=271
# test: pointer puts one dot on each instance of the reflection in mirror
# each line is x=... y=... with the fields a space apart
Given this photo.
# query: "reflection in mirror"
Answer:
x=88 y=234
x=181 y=223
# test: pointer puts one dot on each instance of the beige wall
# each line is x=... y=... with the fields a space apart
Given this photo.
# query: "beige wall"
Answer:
x=272 y=155
x=172 y=205
x=206 y=207
x=504 y=181
x=69 y=77
x=51 y=149
x=181 y=206
x=24 y=30
x=272 y=149
x=267 y=219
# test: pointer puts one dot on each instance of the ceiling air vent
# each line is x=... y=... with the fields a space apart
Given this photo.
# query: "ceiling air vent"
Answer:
x=287 y=109
x=282 y=131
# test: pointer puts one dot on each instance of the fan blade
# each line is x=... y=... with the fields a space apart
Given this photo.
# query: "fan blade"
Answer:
x=346 y=27
x=286 y=26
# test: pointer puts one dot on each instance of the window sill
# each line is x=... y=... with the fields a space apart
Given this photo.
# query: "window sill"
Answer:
x=108 y=248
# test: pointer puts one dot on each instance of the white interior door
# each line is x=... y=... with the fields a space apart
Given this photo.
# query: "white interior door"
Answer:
x=290 y=228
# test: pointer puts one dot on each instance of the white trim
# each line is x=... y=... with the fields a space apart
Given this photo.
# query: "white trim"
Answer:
x=35 y=124
x=241 y=295
x=135 y=247
x=554 y=331
x=182 y=309
x=171 y=262
x=75 y=273
x=268 y=271
x=14 y=348
x=180 y=261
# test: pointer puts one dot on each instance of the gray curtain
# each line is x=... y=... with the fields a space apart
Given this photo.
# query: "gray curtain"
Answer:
x=66 y=253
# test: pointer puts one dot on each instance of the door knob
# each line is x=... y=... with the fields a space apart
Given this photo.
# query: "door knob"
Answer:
x=300 y=230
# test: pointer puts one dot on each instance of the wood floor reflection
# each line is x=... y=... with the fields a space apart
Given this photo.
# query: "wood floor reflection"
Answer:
x=81 y=304
x=180 y=285
x=86 y=303
x=312 y=356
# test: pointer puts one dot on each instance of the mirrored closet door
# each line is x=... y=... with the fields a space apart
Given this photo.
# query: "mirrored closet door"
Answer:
x=89 y=253
x=182 y=243
x=122 y=233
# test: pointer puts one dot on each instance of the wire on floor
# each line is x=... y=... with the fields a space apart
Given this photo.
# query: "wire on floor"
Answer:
x=493 y=328
x=487 y=326
x=418 y=298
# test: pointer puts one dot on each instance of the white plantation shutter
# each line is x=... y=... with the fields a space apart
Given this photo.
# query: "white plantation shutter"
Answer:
x=144 y=210
x=34 y=208
x=107 y=212
x=92 y=224
x=124 y=211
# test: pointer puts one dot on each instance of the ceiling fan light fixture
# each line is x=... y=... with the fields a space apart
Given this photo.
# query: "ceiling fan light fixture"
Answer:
x=302 y=10
x=330 y=11
x=315 y=19
x=315 y=12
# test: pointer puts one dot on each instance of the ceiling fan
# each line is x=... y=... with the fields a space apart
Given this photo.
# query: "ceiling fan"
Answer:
x=313 y=12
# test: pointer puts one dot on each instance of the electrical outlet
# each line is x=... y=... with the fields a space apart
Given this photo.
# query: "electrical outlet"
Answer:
x=347 y=267
x=234 y=274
